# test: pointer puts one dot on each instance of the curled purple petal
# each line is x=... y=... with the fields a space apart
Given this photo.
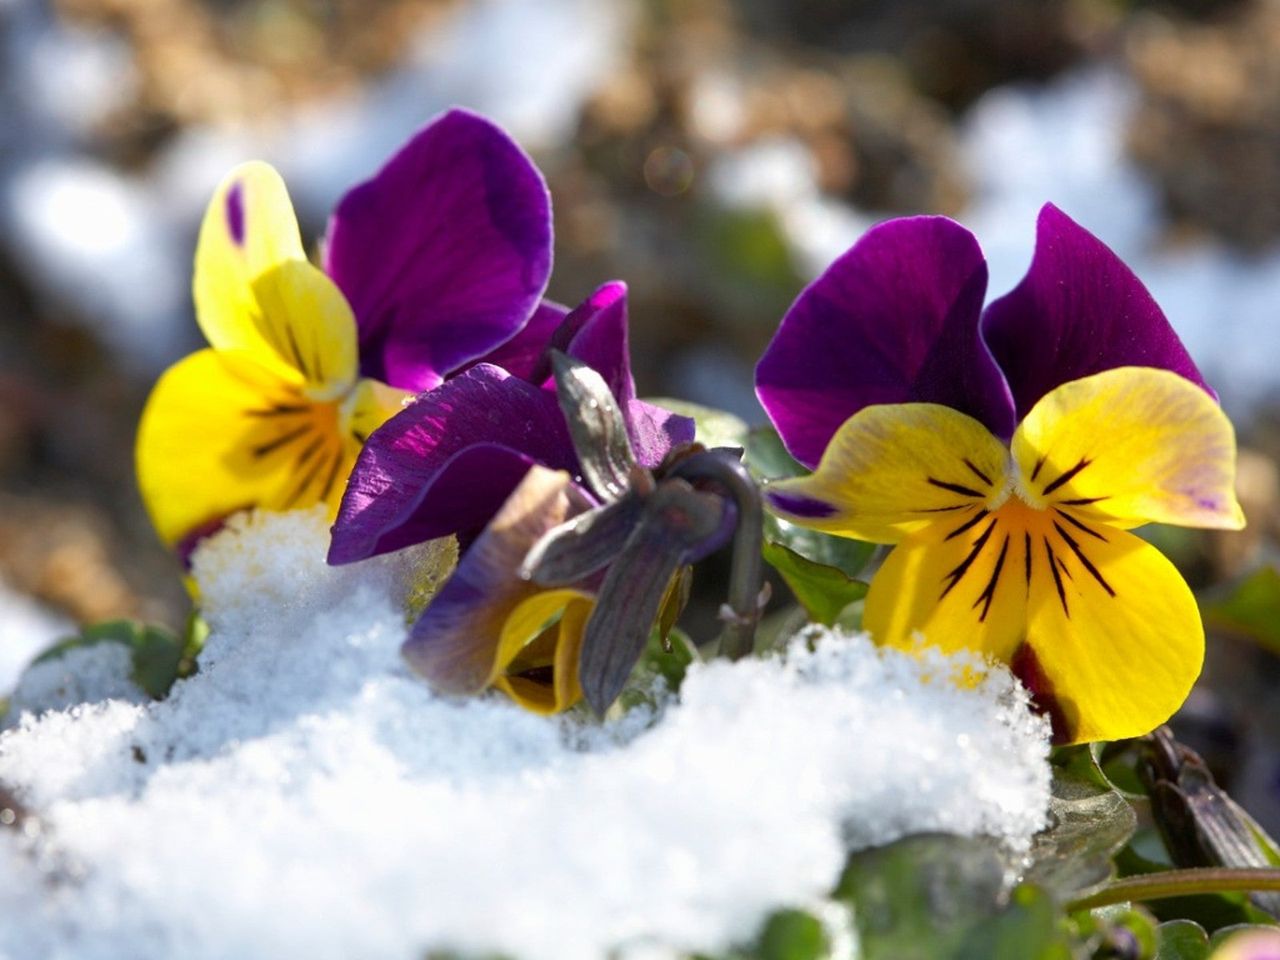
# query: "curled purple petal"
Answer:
x=454 y=644
x=525 y=354
x=655 y=431
x=446 y=462
x=893 y=320
x=445 y=253
x=1078 y=311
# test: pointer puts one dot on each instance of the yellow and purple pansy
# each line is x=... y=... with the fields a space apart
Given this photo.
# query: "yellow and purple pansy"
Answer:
x=1006 y=453
x=440 y=258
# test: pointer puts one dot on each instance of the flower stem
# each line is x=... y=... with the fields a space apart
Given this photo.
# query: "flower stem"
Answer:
x=1181 y=883
x=738 y=638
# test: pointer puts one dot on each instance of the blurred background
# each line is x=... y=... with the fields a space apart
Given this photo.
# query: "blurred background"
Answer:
x=714 y=154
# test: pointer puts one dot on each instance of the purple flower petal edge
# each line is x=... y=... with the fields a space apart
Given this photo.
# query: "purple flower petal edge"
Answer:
x=1078 y=311
x=447 y=462
x=445 y=253
x=893 y=320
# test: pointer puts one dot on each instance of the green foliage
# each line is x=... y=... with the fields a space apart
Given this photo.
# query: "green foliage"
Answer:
x=792 y=935
x=1252 y=609
x=820 y=569
x=939 y=897
x=824 y=591
x=1089 y=823
x=1181 y=940
x=160 y=657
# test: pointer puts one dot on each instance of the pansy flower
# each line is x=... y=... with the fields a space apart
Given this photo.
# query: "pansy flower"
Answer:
x=556 y=597
x=440 y=258
x=448 y=461
x=1006 y=453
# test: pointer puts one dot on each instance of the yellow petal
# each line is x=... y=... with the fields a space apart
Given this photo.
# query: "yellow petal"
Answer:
x=1130 y=446
x=1114 y=639
x=895 y=468
x=539 y=648
x=256 y=293
x=220 y=433
x=959 y=582
x=367 y=407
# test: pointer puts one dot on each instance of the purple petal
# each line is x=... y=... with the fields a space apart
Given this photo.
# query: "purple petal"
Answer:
x=446 y=462
x=1078 y=311
x=893 y=320
x=655 y=431
x=455 y=642
x=524 y=355
x=445 y=253
x=596 y=332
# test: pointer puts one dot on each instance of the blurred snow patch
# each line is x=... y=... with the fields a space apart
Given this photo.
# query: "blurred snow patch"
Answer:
x=304 y=795
x=89 y=674
x=26 y=628
x=101 y=241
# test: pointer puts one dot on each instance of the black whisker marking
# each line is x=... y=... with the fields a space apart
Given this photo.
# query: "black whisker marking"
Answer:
x=1026 y=540
x=1066 y=477
x=1081 y=502
x=1080 y=526
x=988 y=594
x=956 y=488
x=333 y=475
x=1057 y=579
x=971 y=522
x=271 y=445
x=359 y=437
x=307 y=479
x=1085 y=561
x=280 y=410
x=294 y=351
x=978 y=473
x=309 y=452
x=963 y=566
x=1039 y=463
x=958 y=506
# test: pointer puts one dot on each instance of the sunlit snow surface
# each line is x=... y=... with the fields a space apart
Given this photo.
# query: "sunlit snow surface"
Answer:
x=305 y=796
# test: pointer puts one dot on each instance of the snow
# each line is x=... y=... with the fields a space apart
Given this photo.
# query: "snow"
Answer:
x=26 y=628
x=88 y=674
x=304 y=795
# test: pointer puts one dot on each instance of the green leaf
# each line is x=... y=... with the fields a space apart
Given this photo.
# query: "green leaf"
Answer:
x=822 y=590
x=793 y=935
x=159 y=656
x=1252 y=609
x=1181 y=940
x=1089 y=823
x=767 y=458
x=940 y=897
x=713 y=428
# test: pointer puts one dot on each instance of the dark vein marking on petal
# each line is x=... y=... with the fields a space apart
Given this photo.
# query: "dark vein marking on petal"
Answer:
x=1026 y=542
x=1081 y=502
x=295 y=352
x=1080 y=526
x=971 y=522
x=1085 y=561
x=963 y=566
x=1057 y=578
x=333 y=475
x=956 y=488
x=988 y=594
x=978 y=473
x=1066 y=477
x=304 y=484
x=1039 y=464
x=280 y=410
x=958 y=506
x=271 y=445
x=309 y=452
x=359 y=437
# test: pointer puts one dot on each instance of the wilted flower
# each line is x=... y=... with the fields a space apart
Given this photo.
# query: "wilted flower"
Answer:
x=889 y=377
x=440 y=258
